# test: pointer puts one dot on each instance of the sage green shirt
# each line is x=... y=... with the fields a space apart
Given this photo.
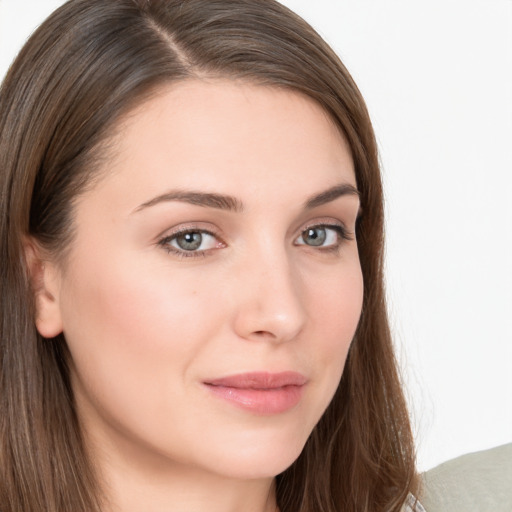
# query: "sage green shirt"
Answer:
x=477 y=482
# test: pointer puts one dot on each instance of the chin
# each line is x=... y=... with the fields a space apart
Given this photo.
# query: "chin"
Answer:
x=258 y=460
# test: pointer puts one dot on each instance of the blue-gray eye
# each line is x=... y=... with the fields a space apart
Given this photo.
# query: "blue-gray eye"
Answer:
x=189 y=241
x=320 y=236
x=314 y=236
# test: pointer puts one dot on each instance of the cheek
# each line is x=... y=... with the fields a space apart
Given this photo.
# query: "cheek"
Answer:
x=134 y=334
x=135 y=339
x=133 y=308
x=336 y=307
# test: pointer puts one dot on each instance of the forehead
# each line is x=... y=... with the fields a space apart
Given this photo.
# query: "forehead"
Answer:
x=227 y=135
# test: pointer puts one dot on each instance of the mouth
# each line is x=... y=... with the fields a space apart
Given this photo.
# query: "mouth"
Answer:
x=260 y=392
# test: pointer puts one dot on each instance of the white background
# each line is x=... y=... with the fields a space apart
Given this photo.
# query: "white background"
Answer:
x=437 y=77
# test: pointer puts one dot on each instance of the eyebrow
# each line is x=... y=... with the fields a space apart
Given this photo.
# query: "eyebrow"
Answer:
x=230 y=203
x=345 y=189
x=205 y=199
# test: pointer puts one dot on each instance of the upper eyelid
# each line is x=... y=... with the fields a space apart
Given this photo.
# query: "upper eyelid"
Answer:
x=177 y=233
x=190 y=228
x=325 y=222
x=332 y=223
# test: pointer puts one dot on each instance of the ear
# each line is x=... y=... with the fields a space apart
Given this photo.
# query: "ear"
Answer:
x=44 y=279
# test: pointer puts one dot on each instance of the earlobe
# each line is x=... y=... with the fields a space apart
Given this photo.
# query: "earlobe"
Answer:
x=45 y=287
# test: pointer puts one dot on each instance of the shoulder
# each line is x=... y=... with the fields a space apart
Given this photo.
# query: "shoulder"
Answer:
x=478 y=481
x=412 y=505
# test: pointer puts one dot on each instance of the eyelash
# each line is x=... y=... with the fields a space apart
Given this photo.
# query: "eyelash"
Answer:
x=341 y=231
x=343 y=236
x=165 y=242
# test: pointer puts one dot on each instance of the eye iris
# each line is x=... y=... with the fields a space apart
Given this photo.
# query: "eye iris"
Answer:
x=189 y=241
x=314 y=236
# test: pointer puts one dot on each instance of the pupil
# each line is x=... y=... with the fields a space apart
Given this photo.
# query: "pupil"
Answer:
x=315 y=236
x=189 y=241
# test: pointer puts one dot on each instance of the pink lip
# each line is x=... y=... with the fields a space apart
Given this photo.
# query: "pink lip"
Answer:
x=260 y=392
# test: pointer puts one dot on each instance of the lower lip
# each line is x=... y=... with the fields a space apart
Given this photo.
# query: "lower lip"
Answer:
x=260 y=401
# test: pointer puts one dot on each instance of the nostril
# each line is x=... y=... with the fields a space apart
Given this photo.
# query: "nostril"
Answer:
x=263 y=334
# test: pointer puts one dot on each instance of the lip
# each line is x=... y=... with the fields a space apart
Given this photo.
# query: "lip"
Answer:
x=260 y=392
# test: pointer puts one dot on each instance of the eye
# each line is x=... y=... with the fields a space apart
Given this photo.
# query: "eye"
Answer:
x=190 y=242
x=323 y=236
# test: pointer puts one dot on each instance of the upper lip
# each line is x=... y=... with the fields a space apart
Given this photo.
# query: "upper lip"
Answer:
x=260 y=380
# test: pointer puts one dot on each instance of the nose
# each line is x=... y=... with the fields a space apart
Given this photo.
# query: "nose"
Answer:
x=270 y=299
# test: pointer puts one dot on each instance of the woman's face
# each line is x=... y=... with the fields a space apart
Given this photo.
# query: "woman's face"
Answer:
x=213 y=286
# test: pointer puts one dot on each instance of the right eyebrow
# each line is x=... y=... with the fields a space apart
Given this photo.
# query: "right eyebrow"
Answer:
x=344 y=189
x=205 y=199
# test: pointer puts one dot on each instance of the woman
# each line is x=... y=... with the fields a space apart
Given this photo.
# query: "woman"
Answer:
x=193 y=314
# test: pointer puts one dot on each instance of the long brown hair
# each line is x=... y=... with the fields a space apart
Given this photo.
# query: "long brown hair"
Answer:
x=90 y=63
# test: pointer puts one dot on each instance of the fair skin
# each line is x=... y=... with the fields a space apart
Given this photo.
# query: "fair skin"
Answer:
x=164 y=292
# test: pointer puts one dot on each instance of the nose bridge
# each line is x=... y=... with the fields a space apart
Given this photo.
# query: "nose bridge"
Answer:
x=270 y=299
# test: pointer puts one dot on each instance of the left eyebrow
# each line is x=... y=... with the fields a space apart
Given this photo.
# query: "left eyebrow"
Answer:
x=330 y=195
